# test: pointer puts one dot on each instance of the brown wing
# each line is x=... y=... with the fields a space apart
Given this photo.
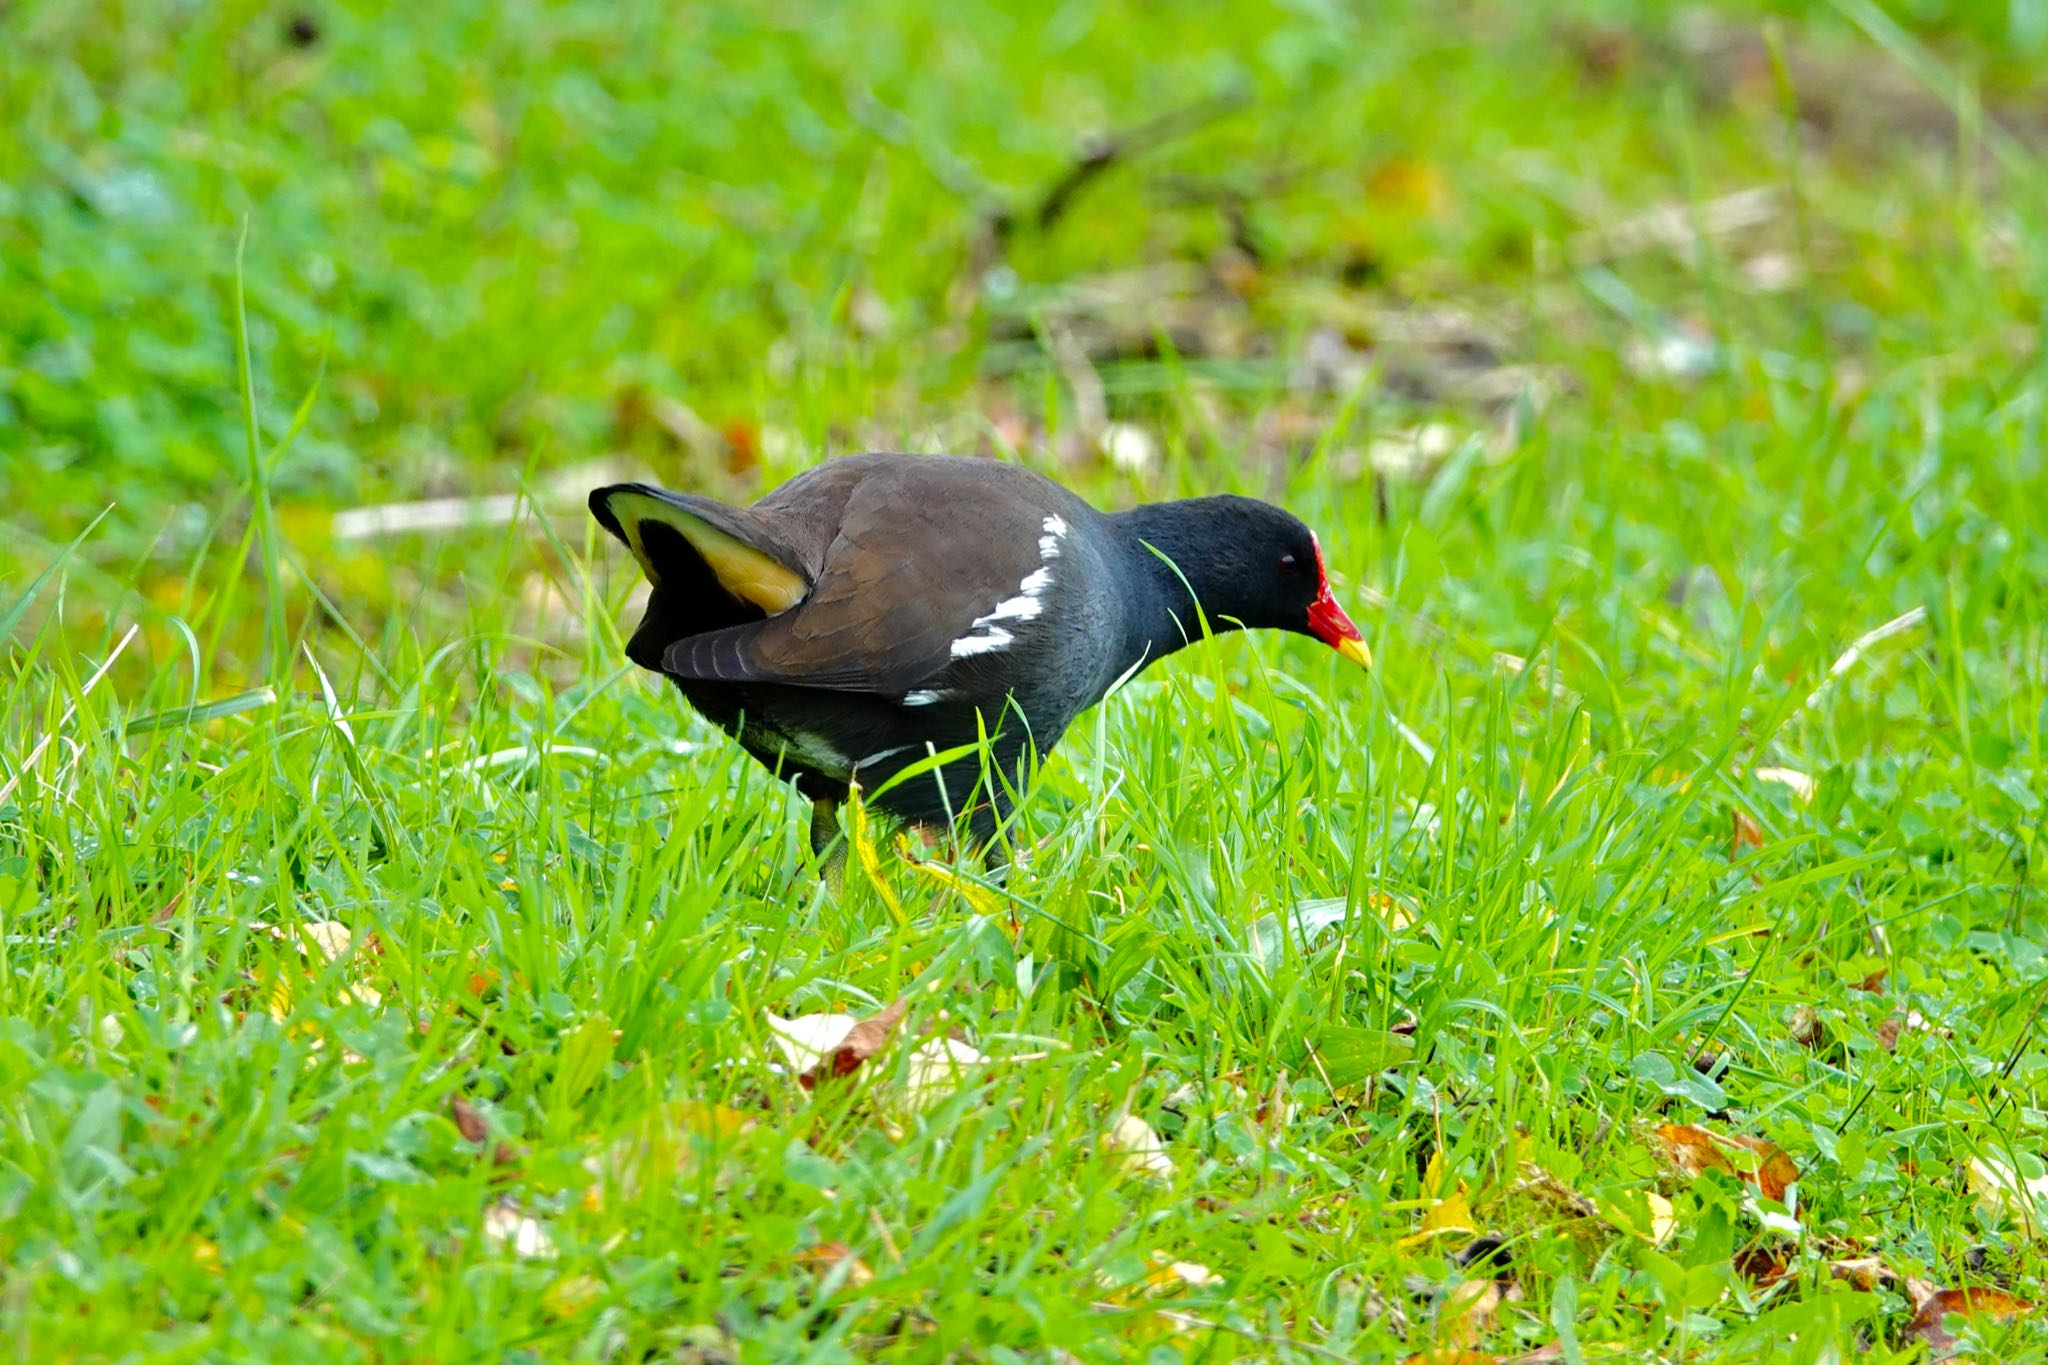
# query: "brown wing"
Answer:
x=912 y=569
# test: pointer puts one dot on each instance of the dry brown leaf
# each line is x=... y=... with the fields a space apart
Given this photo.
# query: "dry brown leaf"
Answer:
x=1930 y=1324
x=827 y=1257
x=862 y=1041
x=1761 y=1266
x=468 y=1121
x=1743 y=834
x=1874 y=983
x=1755 y=1161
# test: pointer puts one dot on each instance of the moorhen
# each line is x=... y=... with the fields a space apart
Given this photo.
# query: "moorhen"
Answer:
x=879 y=609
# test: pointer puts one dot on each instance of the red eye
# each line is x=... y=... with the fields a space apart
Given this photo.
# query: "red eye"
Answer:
x=1289 y=564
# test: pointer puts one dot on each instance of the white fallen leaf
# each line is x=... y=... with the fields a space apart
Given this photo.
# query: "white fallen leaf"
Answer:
x=1800 y=783
x=506 y=1227
x=1192 y=1274
x=938 y=1068
x=1144 y=1150
x=1414 y=451
x=327 y=939
x=809 y=1038
x=1129 y=448
x=2003 y=1192
x=1682 y=353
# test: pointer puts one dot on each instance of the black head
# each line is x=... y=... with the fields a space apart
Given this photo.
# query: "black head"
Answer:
x=1251 y=564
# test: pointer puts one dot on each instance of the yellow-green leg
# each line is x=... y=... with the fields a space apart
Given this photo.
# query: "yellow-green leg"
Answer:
x=826 y=842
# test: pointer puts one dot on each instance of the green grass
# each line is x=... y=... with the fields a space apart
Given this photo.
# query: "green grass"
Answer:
x=483 y=251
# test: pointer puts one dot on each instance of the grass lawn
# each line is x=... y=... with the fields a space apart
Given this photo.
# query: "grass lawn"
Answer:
x=1645 y=962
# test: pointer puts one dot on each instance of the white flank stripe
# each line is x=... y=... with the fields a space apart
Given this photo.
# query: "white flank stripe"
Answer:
x=1023 y=607
x=986 y=634
x=967 y=645
x=878 y=756
x=922 y=697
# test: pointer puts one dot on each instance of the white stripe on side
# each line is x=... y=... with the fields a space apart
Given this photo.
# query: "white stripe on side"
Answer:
x=987 y=634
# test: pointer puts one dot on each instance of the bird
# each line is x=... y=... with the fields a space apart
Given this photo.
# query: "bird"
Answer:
x=880 y=610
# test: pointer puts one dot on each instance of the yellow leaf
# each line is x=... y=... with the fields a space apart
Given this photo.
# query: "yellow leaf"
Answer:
x=864 y=854
x=979 y=898
x=1645 y=1213
x=1446 y=1212
x=570 y=1295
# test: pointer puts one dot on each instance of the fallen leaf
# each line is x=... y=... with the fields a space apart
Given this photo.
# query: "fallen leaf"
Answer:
x=939 y=1067
x=827 y=1257
x=1755 y=1161
x=1912 y=1021
x=1930 y=1323
x=1801 y=784
x=329 y=940
x=1144 y=1151
x=570 y=1295
x=807 y=1039
x=861 y=1042
x=1193 y=1274
x=2004 y=1194
x=1864 y=1272
x=1170 y=1276
x=468 y=1121
x=1129 y=448
x=1450 y=1212
x=505 y=1227
x=1467 y=1311
x=1744 y=834
x=1806 y=1028
x=1645 y=1213
x=1761 y=1266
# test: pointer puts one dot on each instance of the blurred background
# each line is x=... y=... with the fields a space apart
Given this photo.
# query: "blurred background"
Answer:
x=497 y=252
